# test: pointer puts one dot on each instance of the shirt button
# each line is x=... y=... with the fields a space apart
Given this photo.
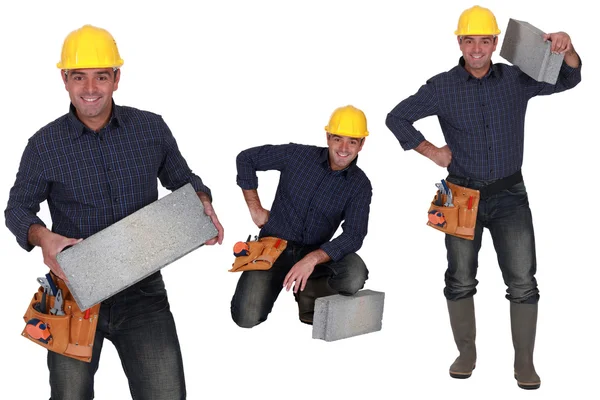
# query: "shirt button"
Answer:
x=491 y=170
x=490 y=148
x=109 y=169
x=487 y=126
x=117 y=199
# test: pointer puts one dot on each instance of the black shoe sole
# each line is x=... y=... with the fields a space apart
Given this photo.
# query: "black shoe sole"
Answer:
x=459 y=376
x=528 y=386
x=456 y=375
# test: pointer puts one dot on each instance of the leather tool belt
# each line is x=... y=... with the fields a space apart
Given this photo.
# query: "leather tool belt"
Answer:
x=456 y=214
x=59 y=325
x=257 y=254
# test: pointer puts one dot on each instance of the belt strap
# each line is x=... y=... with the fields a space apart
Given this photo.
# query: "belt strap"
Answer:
x=501 y=184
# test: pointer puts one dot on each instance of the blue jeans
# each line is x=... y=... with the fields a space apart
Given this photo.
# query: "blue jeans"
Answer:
x=257 y=291
x=139 y=323
x=508 y=218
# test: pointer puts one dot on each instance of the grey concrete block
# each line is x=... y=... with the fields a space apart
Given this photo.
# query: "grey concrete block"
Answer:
x=339 y=317
x=136 y=246
x=524 y=47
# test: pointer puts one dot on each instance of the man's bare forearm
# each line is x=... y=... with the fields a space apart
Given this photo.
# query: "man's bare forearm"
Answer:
x=572 y=58
x=252 y=199
x=427 y=149
x=36 y=233
x=204 y=198
x=317 y=257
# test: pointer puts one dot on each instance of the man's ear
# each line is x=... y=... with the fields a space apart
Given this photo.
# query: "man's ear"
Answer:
x=362 y=143
x=117 y=78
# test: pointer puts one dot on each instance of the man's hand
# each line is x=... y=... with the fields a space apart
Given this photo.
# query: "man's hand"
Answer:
x=302 y=270
x=210 y=211
x=299 y=274
x=260 y=216
x=442 y=156
x=561 y=44
x=51 y=244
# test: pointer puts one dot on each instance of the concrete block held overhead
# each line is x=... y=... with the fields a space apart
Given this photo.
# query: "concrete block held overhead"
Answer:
x=136 y=246
x=525 y=47
x=339 y=317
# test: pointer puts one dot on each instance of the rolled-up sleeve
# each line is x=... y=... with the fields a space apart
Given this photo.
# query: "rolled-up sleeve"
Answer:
x=29 y=191
x=400 y=120
x=262 y=158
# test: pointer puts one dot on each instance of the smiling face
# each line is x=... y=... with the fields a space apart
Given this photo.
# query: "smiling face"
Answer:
x=91 y=92
x=343 y=150
x=477 y=52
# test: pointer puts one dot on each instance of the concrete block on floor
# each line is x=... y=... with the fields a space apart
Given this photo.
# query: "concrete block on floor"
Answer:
x=136 y=246
x=524 y=47
x=339 y=317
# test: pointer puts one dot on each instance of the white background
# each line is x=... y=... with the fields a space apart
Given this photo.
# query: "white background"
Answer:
x=228 y=75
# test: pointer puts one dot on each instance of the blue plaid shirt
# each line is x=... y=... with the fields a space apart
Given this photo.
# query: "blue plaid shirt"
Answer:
x=311 y=199
x=92 y=180
x=482 y=119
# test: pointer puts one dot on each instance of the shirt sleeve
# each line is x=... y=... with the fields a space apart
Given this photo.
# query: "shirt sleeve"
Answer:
x=30 y=189
x=355 y=227
x=568 y=78
x=174 y=171
x=262 y=158
x=400 y=120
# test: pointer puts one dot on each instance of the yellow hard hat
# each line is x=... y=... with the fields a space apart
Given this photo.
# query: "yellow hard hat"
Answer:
x=477 y=21
x=89 y=47
x=348 y=121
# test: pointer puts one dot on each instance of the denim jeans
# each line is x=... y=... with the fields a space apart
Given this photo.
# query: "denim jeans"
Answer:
x=508 y=218
x=257 y=291
x=139 y=323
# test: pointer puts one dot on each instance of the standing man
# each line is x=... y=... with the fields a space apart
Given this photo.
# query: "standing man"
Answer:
x=96 y=165
x=319 y=187
x=481 y=108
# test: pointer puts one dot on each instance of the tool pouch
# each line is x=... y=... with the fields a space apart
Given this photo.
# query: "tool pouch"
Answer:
x=459 y=219
x=71 y=335
x=262 y=253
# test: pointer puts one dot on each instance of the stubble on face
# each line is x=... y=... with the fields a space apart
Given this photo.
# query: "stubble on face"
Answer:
x=90 y=91
x=343 y=150
x=477 y=53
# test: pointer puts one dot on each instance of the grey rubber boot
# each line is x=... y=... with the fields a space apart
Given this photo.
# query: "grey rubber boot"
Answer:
x=523 y=321
x=315 y=288
x=462 y=321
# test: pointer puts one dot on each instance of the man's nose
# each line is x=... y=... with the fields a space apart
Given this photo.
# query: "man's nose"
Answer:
x=345 y=146
x=90 y=85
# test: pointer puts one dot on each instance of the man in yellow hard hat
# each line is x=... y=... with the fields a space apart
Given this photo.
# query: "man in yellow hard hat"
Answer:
x=319 y=189
x=96 y=165
x=481 y=108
